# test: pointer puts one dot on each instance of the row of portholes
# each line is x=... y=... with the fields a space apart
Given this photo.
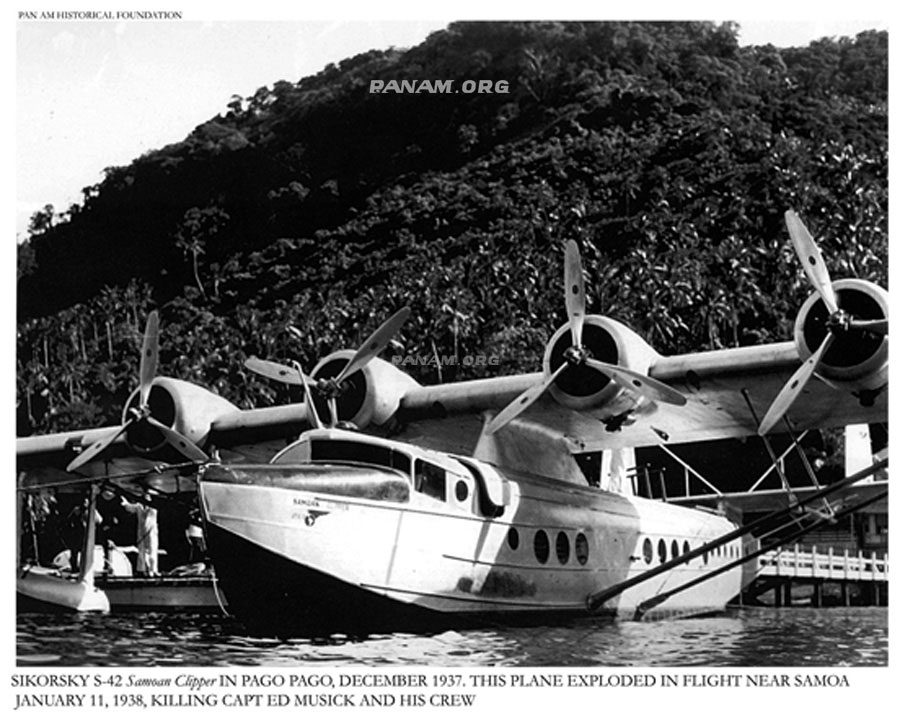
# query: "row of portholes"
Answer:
x=541 y=546
x=663 y=549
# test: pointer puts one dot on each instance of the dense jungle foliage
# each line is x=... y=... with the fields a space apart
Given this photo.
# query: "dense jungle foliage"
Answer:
x=667 y=150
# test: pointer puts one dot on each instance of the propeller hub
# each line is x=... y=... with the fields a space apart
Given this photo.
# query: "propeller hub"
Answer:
x=329 y=387
x=576 y=355
x=855 y=341
x=577 y=380
x=839 y=321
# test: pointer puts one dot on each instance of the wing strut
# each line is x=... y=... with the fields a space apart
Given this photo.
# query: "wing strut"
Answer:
x=795 y=443
x=786 y=486
x=768 y=522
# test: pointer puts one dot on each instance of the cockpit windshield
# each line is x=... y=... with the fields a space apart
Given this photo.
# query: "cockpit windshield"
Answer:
x=363 y=453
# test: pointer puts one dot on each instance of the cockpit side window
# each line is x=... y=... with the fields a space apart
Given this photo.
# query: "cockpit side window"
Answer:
x=431 y=480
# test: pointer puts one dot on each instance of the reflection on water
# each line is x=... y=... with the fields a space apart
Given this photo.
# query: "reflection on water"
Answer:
x=746 y=637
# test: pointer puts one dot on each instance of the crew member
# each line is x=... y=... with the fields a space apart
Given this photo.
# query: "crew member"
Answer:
x=147 y=535
x=196 y=541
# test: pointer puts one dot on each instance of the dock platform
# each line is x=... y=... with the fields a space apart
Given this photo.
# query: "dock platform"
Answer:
x=817 y=577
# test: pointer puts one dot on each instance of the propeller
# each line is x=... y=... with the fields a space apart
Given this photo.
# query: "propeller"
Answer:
x=330 y=388
x=149 y=363
x=811 y=259
x=577 y=355
x=575 y=302
x=794 y=387
x=520 y=404
x=149 y=358
x=639 y=383
x=277 y=371
x=374 y=344
x=292 y=376
x=839 y=320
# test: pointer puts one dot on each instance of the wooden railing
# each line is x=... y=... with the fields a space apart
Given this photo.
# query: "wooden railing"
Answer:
x=831 y=565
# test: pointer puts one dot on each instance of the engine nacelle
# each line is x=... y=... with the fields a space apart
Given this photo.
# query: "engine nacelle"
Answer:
x=371 y=394
x=185 y=407
x=857 y=359
x=583 y=388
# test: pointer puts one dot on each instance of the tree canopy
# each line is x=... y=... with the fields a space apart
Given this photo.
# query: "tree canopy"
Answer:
x=665 y=149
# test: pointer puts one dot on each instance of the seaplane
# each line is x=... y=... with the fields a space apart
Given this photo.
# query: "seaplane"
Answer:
x=504 y=500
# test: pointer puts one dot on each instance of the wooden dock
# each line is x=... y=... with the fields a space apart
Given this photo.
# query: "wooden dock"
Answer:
x=818 y=577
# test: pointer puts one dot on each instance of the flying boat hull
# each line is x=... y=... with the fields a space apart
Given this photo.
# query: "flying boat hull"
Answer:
x=313 y=548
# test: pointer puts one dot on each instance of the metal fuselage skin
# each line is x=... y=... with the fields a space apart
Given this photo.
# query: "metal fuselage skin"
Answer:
x=344 y=532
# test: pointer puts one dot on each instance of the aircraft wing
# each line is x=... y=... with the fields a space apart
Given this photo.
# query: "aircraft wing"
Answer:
x=255 y=434
x=727 y=392
x=57 y=449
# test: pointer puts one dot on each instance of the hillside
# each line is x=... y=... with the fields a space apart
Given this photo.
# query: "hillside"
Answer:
x=665 y=149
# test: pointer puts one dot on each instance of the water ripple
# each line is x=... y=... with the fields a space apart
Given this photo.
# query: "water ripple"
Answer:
x=746 y=637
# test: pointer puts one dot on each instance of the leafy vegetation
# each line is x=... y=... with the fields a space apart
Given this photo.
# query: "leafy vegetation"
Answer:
x=669 y=152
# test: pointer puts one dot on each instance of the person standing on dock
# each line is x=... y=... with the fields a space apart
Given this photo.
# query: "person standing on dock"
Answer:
x=74 y=530
x=147 y=535
x=195 y=538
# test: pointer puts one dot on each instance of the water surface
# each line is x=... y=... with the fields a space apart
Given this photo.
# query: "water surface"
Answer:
x=740 y=637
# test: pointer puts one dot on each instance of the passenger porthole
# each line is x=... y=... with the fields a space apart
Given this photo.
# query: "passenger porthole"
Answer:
x=648 y=551
x=581 y=548
x=562 y=548
x=541 y=546
x=512 y=538
x=661 y=551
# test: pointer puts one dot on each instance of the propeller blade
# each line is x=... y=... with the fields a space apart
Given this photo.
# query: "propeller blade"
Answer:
x=523 y=401
x=639 y=383
x=276 y=371
x=811 y=259
x=310 y=405
x=879 y=326
x=787 y=395
x=373 y=345
x=179 y=442
x=575 y=302
x=97 y=447
x=149 y=357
